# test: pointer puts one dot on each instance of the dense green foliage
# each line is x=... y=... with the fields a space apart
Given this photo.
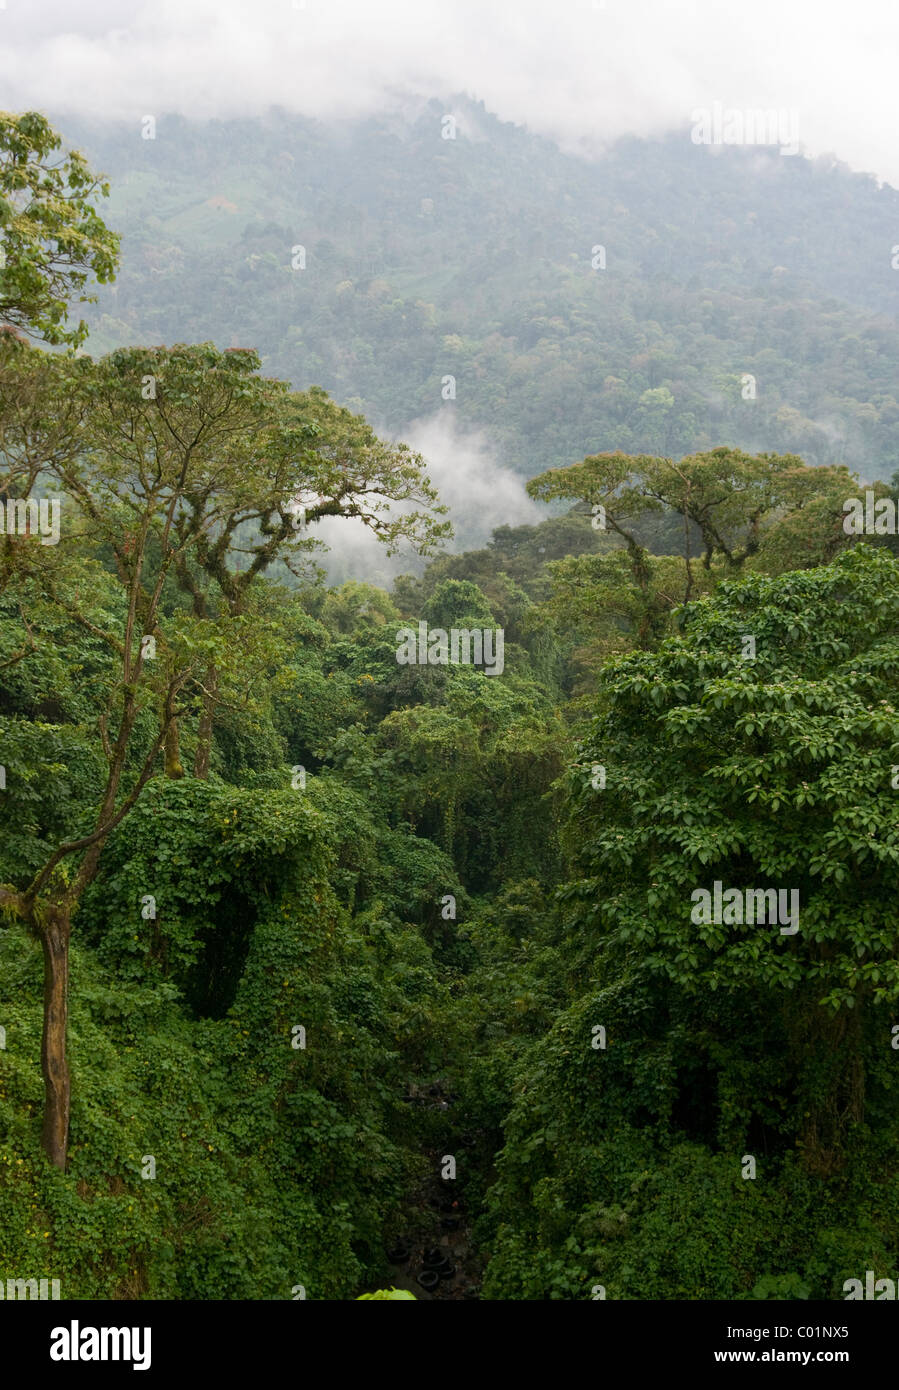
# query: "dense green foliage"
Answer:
x=52 y=239
x=320 y=905
x=723 y=1040
x=298 y=884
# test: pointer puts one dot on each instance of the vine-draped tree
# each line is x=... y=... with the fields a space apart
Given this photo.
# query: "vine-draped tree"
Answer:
x=721 y=511
x=164 y=455
x=759 y=771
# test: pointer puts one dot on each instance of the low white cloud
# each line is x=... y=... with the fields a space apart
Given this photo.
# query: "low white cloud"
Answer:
x=582 y=71
x=480 y=493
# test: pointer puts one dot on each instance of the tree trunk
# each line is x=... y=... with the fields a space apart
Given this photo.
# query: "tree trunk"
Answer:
x=831 y=1082
x=54 y=933
x=173 y=766
x=204 y=732
x=687 y=560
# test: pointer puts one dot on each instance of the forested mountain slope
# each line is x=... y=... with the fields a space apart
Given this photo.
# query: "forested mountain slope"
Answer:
x=427 y=257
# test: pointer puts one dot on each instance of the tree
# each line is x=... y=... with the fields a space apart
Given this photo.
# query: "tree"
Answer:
x=165 y=455
x=772 y=770
x=297 y=458
x=52 y=239
x=734 y=508
x=129 y=503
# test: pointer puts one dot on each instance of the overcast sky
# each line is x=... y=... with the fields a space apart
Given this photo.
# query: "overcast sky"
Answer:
x=579 y=70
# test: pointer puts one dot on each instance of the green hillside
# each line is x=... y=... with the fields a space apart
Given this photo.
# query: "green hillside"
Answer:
x=428 y=257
